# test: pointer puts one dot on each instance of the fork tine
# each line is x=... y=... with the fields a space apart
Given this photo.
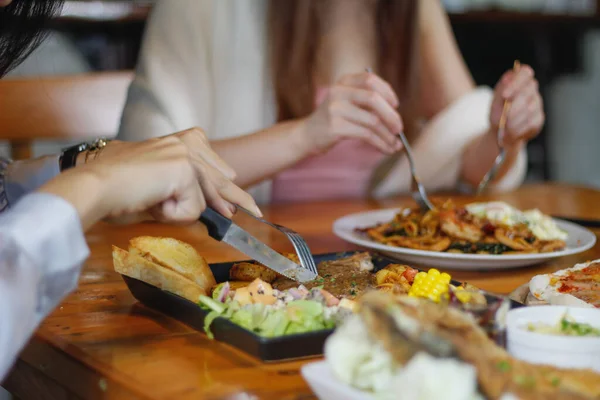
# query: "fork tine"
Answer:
x=299 y=250
x=304 y=250
x=300 y=246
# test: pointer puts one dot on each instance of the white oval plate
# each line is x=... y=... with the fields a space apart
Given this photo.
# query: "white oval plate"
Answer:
x=579 y=240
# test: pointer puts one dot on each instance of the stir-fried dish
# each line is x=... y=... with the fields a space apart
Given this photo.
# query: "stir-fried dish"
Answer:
x=485 y=228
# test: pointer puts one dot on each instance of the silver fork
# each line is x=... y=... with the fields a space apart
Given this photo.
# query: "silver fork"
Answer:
x=302 y=250
x=418 y=190
x=491 y=174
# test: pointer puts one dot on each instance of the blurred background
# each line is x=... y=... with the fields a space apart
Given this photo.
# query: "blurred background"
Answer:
x=559 y=38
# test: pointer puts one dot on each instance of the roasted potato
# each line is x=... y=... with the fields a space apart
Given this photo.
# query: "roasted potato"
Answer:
x=248 y=272
x=385 y=276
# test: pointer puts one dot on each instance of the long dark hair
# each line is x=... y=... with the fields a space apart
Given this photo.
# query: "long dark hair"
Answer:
x=23 y=26
x=294 y=32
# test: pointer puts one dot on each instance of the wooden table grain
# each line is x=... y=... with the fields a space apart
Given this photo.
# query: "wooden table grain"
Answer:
x=101 y=343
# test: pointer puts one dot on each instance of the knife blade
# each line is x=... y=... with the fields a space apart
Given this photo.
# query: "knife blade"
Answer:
x=225 y=230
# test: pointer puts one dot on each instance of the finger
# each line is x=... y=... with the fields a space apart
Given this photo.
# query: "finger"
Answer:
x=365 y=134
x=528 y=128
x=184 y=207
x=504 y=81
x=519 y=80
x=230 y=194
x=186 y=201
x=222 y=194
x=216 y=201
x=199 y=148
x=368 y=120
x=373 y=102
x=524 y=126
x=206 y=177
x=212 y=158
x=370 y=81
x=528 y=103
x=518 y=105
x=529 y=90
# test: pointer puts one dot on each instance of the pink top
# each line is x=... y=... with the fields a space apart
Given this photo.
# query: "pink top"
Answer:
x=343 y=172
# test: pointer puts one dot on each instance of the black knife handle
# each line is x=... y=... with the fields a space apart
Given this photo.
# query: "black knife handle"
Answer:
x=216 y=224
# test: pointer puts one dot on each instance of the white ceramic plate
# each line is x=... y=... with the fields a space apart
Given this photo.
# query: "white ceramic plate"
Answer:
x=579 y=240
x=326 y=386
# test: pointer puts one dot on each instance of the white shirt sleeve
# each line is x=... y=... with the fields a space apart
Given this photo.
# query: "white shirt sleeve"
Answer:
x=42 y=247
x=21 y=177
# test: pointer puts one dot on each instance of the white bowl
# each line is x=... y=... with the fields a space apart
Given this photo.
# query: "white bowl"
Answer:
x=542 y=348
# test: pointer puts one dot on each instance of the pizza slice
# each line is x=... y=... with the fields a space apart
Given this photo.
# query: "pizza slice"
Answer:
x=576 y=286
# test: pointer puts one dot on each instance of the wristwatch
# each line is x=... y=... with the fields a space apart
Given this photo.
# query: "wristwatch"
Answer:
x=68 y=158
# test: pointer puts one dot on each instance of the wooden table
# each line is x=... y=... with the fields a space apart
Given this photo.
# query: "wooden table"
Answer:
x=101 y=344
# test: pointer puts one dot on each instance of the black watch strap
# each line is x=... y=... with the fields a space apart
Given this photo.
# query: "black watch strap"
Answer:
x=68 y=159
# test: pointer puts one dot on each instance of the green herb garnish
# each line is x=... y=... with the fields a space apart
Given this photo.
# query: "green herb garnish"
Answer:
x=503 y=366
x=578 y=329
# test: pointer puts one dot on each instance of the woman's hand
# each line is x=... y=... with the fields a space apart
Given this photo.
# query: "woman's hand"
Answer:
x=526 y=115
x=161 y=177
x=359 y=106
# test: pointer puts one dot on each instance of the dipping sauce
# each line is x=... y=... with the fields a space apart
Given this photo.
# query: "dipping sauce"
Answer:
x=565 y=327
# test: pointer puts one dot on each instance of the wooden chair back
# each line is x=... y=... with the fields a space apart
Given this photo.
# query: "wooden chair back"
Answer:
x=79 y=107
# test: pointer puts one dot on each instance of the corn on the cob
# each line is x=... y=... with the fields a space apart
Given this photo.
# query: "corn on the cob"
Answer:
x=431 y=285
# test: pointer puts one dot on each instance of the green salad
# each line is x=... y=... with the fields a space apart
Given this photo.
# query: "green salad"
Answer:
x=270 y=313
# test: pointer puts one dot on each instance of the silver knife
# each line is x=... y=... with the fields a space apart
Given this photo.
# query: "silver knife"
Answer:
x=225 y=230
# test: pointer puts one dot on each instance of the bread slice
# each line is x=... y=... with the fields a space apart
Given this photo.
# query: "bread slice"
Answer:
x=174 y=255
x=139 y=268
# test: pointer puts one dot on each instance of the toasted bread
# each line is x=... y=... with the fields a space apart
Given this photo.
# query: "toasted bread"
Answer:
x=138 y=267
x=176 y=256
